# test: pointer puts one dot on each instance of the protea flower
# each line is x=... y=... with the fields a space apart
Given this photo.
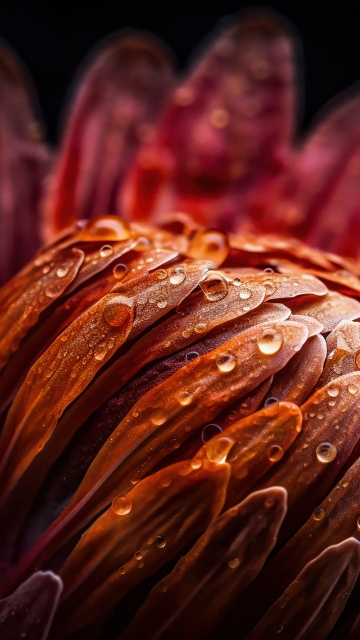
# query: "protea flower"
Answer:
x=180 y=398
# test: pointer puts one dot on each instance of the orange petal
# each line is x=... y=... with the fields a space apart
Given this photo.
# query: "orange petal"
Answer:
x=57 y=378
x=204 y=583
x=311 y=605
x=343 y=347
x=329 y=310
x=330 y=433
x=297 y=379
x=141 y=532
x=253 y=445
x=161 y=420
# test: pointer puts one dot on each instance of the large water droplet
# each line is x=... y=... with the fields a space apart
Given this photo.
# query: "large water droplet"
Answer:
x=178 y=276
x=122 y=505
x=245 y=293
x=185 y=398
x=326 y=452
x=215 y=287
x=353 y=389
x=116 y=313
x=105 y=228
x=209 y=431
x=333 y=392
x=270 y=341
x=226 y=362
x=209 y=245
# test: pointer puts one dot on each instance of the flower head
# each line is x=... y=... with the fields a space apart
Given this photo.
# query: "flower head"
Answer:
x=180 y=402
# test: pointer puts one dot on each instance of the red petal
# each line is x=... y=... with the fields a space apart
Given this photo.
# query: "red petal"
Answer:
x=223 y=141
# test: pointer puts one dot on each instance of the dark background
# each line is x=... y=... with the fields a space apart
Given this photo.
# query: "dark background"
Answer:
x=52 y=38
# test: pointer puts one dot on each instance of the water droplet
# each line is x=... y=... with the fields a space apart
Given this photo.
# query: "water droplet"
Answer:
x=270 y=287
x=270 y=341
x=319 y=514
x=185 y=398
x=320 y=416
x=275 y=453
x=105 y=228
x=106 y=251
x=191 y=356
x=200 y=327
x=236 y=282
x=122 y=505
x=116 y=313
x=122 y=570
x=178 y=276
x=233 y=563
x=64 y=337
x=209 y=431
x=215 y=287
x=326 y=452
x=138 y=555
x=162 y=303
x=160 y=542
x=218 y=448
x=53 y=290
x=353 y=389
x=226 y=362
x=196 y=463
x=269 y=401
x=268 y=270
x=279 y=628
x=46 y=269
x=209 y=245
x=100 y=352
x=62 y=271
x=232 y=415
x=333 y=392
x=358 y=522
x=120 y=270
x=158 y=417
x=161 y=274
x=245 y=294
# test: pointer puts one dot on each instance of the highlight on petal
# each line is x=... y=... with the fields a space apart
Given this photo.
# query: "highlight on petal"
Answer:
x=24 y=164
x=29 y=611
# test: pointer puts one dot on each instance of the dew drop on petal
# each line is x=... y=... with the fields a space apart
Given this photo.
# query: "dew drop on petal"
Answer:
x=62 y=271
x=226 y=362
x=270 y=287
x=120 y=270
x=121 y=505
x=196 y=463
x=200 y=327
x=233 y=563
x=161 y=274
x=185 y=398
x=275 y=453
x=105 y=228
x=218 y=449
x=326 y=452
x=215 y=287
x=319 y=514
x=191 y=355
x=106 y=251
x=209 y=431
x=245 y=294
x=269 y=401
x=178 y=276
x=353 y=389
x=116 y=313
x=100 y=352
x=209 y=245
x=158 y=417
x=236 y=282
x=162 y=304
x=358 y=522
x=270 y=341
x=160 y=542
x=138 y=555
x=333 y=392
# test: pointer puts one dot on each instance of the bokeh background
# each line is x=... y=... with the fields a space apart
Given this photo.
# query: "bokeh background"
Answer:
x=52 y=38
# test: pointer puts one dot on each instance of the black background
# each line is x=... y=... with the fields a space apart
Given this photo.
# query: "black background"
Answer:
x=52 y=38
